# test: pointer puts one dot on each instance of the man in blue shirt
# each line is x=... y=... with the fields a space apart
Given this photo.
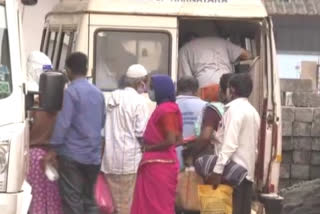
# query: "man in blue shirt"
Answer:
x=77 y=138
x=191 y=108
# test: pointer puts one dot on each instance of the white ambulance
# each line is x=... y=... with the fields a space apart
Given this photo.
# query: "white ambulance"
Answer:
x=117 y=33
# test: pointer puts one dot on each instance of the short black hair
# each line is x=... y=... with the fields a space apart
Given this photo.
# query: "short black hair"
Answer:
x=224 y=81
x=77 y=62
x=242 y=84
x=187 y=84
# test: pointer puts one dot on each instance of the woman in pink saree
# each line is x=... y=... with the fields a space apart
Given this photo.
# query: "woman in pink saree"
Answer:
x=156 y=183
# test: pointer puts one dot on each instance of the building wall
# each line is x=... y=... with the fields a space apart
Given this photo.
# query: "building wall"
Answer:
x=301 y=133
x=32 y=23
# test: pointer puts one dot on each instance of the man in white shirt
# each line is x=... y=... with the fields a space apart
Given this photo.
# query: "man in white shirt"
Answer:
x=126 y=119
x=207 y=59
x=191 y=106
x=240 y=130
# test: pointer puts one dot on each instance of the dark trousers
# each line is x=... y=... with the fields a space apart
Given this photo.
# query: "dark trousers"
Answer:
x=242 y=196
x=76 y=184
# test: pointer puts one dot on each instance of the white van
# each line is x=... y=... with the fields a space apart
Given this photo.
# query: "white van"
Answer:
x=117 y=33
x=14 y=124
x=15 y=101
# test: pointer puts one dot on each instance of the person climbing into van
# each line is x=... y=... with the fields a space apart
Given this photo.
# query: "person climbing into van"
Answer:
x=207 y=59
x=126 y=119
x=191 y=107
x=240 y=130
x=155 y=189
x=77 y=138
x=45 y=193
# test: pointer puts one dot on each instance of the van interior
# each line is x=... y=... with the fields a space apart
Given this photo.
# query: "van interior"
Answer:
x=246 y=34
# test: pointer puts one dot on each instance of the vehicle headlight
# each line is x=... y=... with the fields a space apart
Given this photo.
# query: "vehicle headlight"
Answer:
x=4 y=161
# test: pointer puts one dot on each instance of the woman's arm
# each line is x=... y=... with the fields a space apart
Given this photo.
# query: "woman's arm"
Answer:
x=210 y=124
x=170 y=140
x=169 y=126
x=203 y=140
x=41 y=128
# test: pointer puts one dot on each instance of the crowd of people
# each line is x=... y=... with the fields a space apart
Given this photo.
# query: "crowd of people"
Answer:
x=209 y=118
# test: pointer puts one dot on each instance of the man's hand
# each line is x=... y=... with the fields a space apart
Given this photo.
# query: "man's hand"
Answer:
x=214 y=180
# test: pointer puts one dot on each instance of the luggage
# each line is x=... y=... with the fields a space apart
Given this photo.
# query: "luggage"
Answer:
x=215 y=201
x=187 y=190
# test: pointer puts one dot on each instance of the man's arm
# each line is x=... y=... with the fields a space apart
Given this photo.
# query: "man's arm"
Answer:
x=236 y=52
x=141 y=121
x=64 y=119
x=230 y=144
x=245 y=55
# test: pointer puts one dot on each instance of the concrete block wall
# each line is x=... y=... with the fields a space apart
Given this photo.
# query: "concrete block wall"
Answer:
x=301 y=133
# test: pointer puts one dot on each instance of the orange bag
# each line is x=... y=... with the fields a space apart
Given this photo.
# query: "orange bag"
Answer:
x=187 y=191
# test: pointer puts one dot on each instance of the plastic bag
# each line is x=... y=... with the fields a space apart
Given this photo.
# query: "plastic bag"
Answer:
x=187 y=191
x=215 y=201
x=103 y=196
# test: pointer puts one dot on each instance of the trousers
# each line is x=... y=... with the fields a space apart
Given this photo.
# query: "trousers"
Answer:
x=121 y=187
x=242 y=196
x=76 y=186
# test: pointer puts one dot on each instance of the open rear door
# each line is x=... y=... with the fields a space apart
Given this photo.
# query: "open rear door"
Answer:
x=269 y=157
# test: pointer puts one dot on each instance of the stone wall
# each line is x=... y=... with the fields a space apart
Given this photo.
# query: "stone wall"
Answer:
x=301 y=133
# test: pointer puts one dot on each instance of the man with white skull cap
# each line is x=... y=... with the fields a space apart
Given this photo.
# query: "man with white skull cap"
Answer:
x=136 y=71
x=126 y=119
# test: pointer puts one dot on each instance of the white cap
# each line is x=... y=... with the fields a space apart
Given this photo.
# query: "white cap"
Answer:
x=136 y=71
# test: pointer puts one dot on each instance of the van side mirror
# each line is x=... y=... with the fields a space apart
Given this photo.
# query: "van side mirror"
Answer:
x=29 y=2
x=50 y=93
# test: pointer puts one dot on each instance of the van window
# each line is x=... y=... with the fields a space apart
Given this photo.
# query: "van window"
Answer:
x=51 y=45
x=65 y=45
x=5 y=68
x=65 y=48
x=115 y=51
x=43 y=38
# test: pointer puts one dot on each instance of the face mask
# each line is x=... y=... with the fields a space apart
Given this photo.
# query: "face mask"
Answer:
x=228 y=95
x=152 y=96
x=142 y=89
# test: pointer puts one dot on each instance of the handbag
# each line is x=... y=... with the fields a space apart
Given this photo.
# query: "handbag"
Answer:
x=103 y=195
x=214 y=201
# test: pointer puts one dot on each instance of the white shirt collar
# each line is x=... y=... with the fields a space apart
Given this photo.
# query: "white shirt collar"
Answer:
x=235 y=101
x=130 y=89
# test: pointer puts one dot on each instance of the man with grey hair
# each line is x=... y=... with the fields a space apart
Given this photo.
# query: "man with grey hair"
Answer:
x=126 y=119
